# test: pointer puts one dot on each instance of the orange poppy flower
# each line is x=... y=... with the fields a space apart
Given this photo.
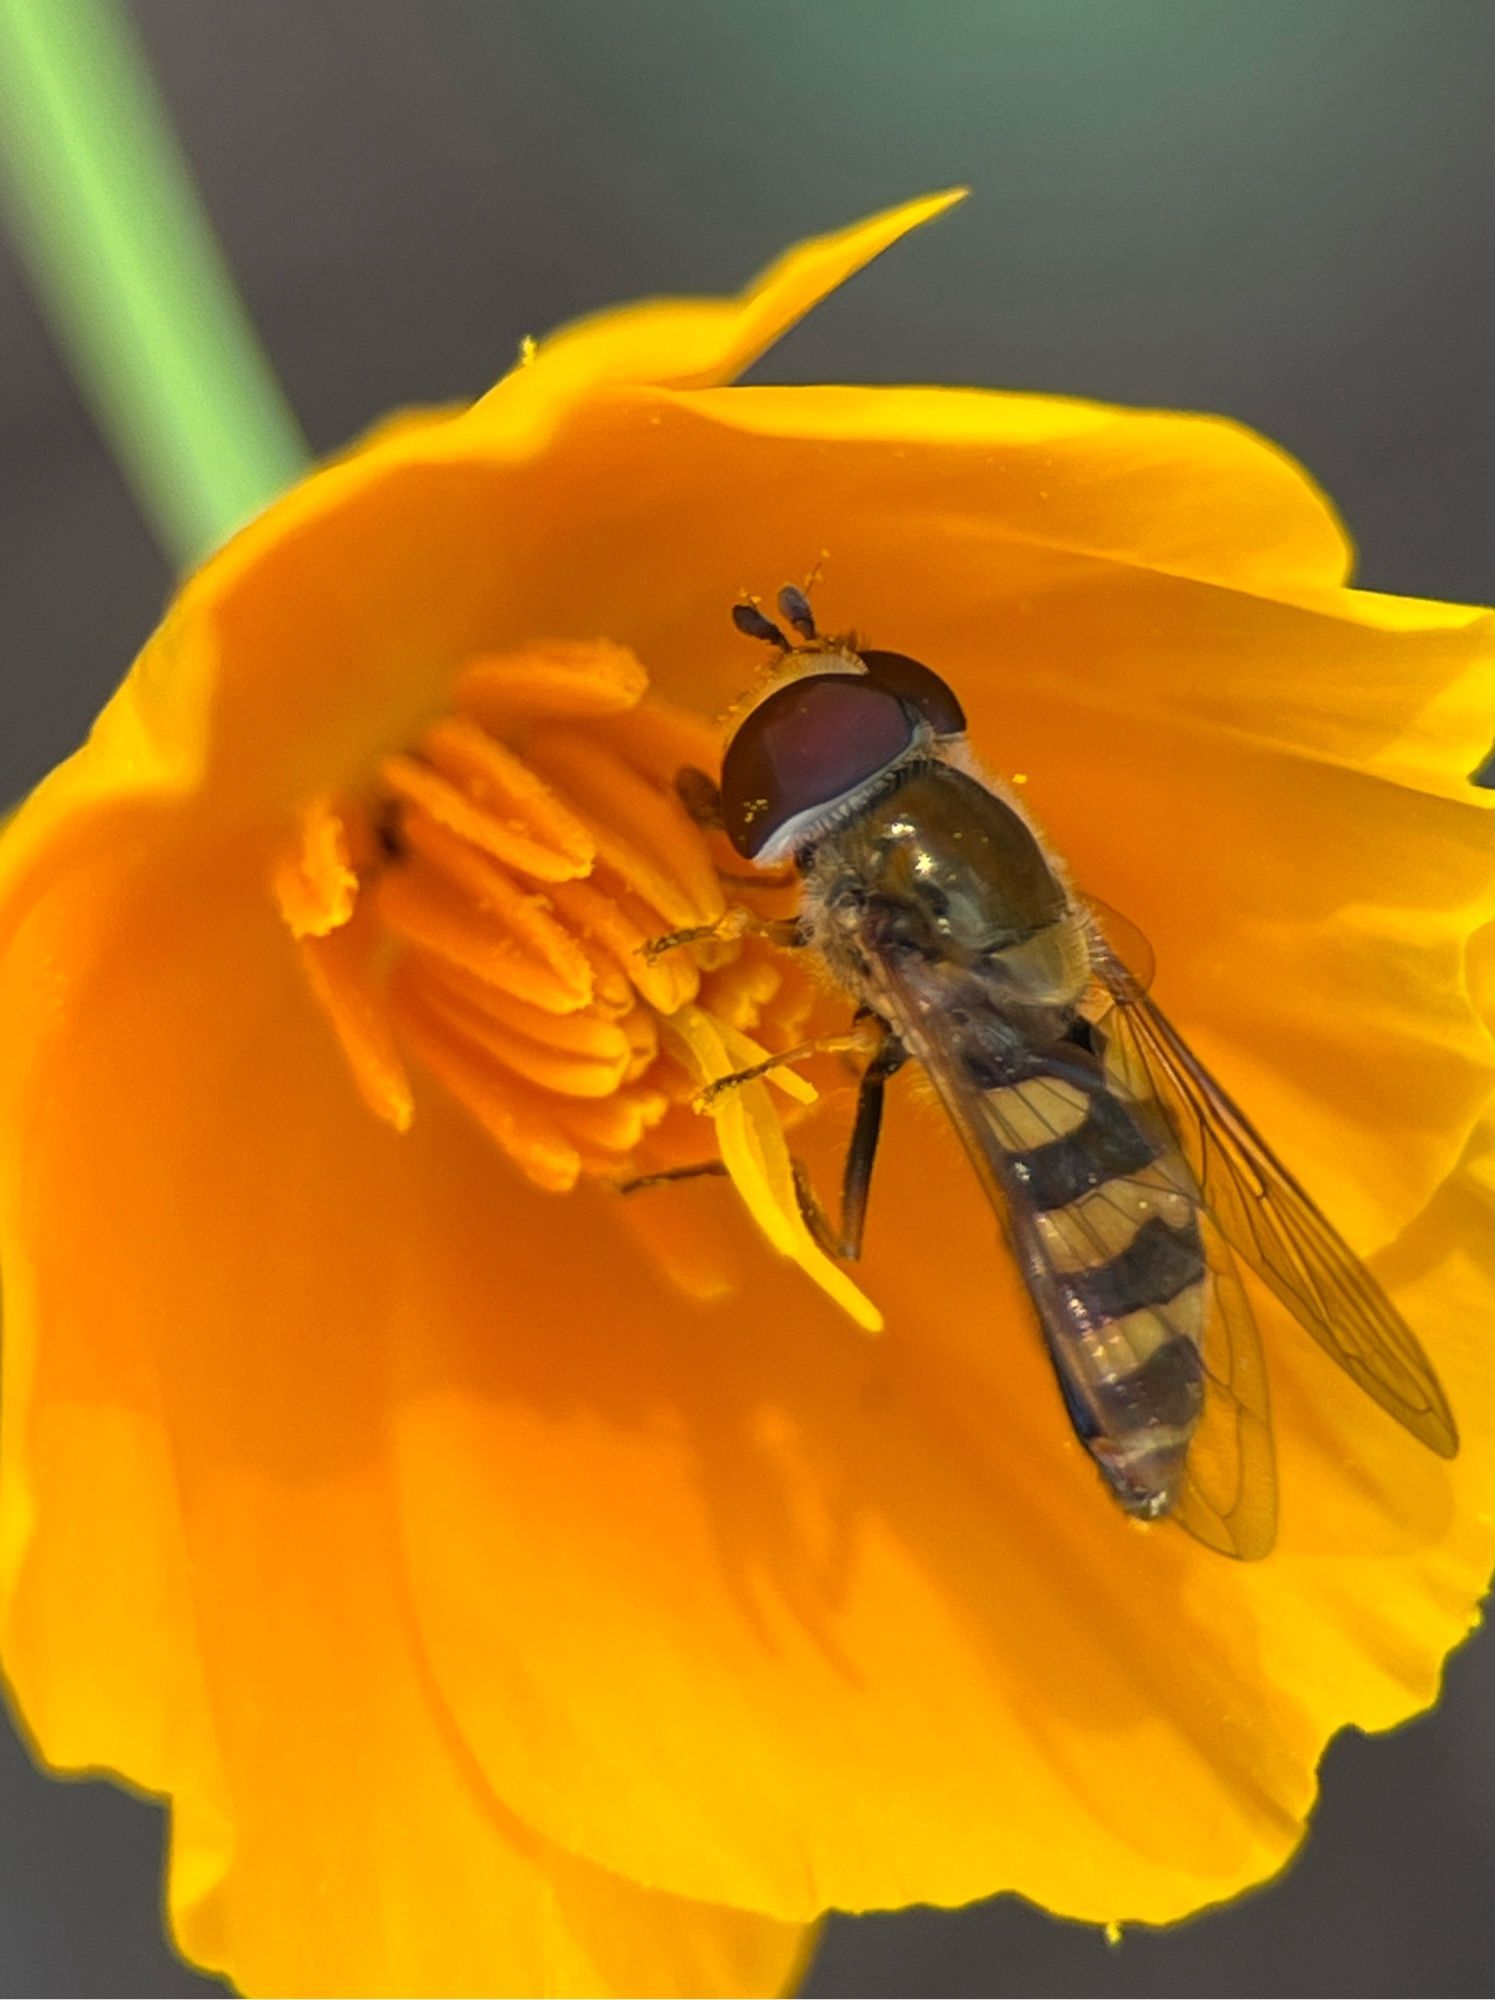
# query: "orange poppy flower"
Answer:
x=517 y=1586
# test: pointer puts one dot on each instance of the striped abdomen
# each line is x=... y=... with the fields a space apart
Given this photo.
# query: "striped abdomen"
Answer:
x=1103 y=1216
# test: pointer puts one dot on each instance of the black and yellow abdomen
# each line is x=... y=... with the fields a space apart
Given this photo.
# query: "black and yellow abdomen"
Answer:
x=1104 y=1219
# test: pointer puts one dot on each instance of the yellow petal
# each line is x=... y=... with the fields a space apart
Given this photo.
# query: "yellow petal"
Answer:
x=1190 y=495
x=202 y=1576
x=696 y=343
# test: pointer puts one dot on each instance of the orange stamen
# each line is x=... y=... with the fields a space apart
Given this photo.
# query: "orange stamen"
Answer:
x=643 y=1043
x=526 y=917
x=340 y=967
x=612 y=991
x=562 y=680
x=616 y=1124
x=657 y=826
x=660 y=740
x=316 y=884
x=533 y=833
x=515 y=1117
x=531 y=846
x=417 y=909
x=586 y=1034
x=567 y=1073
x=614 y=921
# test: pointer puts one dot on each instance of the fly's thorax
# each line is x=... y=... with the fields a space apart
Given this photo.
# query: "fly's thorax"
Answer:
x=945 y=875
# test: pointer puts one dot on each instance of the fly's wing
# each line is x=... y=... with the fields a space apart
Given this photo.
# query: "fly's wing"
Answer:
x=1229 y=1495
x=1268 y=1219
x=1111 y=932
x=1228 y=1498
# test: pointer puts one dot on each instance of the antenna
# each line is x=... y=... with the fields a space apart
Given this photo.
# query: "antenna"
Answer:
x=752 y=623
x=795 y=606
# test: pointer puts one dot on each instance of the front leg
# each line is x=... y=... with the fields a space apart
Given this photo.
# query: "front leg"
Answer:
x=860 y=1037
x=786 y=932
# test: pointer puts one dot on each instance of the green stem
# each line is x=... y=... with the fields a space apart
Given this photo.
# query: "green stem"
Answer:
x=103 y=207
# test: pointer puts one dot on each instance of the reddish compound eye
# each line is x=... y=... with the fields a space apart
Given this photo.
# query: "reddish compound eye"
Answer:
x=920 y=686
x=805 y=747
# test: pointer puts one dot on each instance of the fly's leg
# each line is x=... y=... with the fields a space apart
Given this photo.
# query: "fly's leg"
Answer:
x=761 y=878
x=863 y=1036
x=734 y=924
x=845 y=1242
x=701 y=797
x=697 y=1170
x=856 y=1178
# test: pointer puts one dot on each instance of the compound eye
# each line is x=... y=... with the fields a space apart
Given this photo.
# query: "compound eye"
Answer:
x=918 y=685
x=808 y=745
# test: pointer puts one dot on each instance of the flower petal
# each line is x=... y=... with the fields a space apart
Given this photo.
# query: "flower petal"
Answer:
x=696 y=343
x=202 y=1586
x=338 y=674
x=1191 y=495
x=888 y=1579
x=1036 y=506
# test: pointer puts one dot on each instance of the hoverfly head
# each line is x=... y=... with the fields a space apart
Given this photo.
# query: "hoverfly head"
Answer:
x=813 y=742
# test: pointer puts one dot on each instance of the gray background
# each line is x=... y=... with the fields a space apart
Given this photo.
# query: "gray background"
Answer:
x=1281 y=210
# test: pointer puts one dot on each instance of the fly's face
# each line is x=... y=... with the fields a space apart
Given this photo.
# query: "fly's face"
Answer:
x=825 y=739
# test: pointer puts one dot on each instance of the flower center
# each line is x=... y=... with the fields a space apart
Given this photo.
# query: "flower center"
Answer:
x=479 y=921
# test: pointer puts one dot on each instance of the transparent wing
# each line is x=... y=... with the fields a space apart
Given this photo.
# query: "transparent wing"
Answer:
x=1229 y=1495
x=1118 y=935
x=1268 y=1219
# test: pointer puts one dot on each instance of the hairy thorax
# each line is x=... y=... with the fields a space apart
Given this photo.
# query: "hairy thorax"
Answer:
x=947 y=880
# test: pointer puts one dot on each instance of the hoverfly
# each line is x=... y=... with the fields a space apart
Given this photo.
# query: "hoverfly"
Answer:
x=1126 y=1180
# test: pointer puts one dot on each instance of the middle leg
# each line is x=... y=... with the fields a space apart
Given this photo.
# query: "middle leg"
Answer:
x=845 y=1241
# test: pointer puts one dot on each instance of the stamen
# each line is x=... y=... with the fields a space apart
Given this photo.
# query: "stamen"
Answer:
x=492 y=946
x=617 y=1124
x=316 y=884
x=418 y=909
x=340 y=968
x=495 y=803
x=589 y=1034
x=661 y=739
x=521 y=914
x=643 y=1043
x=517 y=1118
x=569 y=1073
x=667 y=843
x=611 y=918
x=612 y=993
x=560 y=679
x=742 y=990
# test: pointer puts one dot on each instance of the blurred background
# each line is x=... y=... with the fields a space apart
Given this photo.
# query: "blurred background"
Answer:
x=1277 y=211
